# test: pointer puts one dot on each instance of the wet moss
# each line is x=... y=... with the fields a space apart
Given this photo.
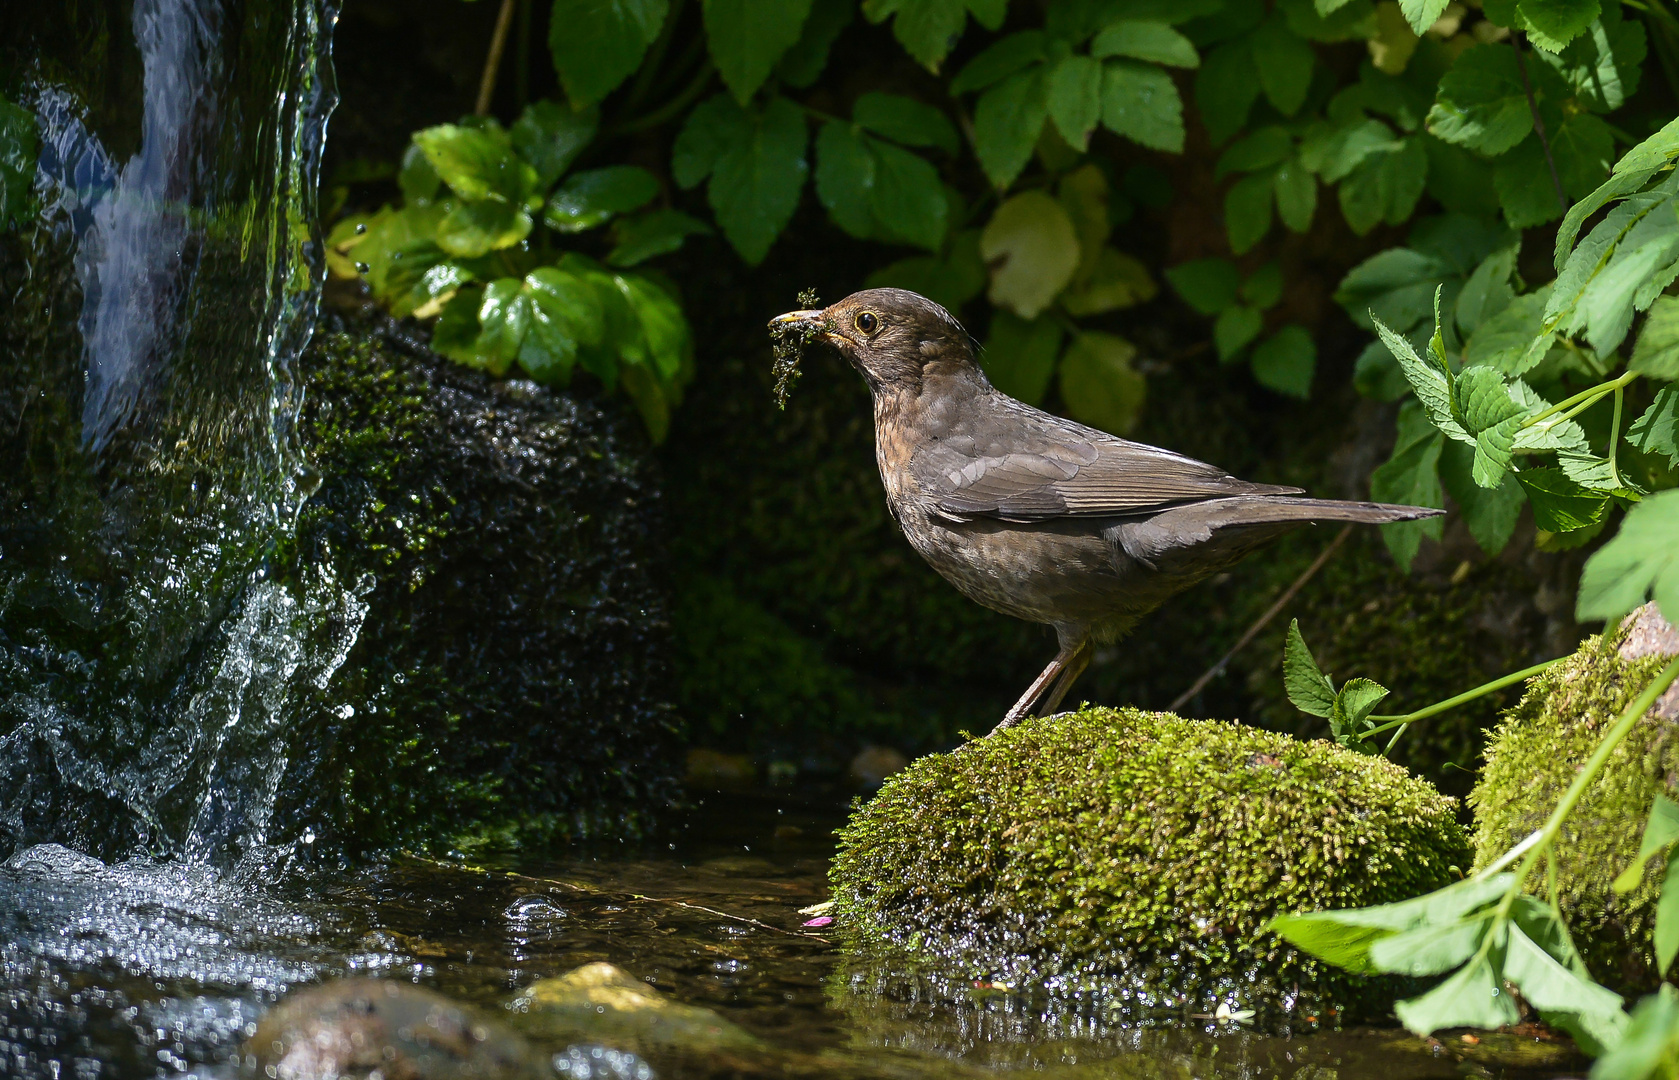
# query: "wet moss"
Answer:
x=1531 y=759
x=1142 y=853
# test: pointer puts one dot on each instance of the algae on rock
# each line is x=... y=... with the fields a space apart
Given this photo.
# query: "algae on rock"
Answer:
x=1139 y=855
x=1535 y=754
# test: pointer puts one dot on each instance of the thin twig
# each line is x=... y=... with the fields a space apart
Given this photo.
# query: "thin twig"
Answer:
x=492 y=62
x=733 y=918
x=1253 y=631
x=1538 y=124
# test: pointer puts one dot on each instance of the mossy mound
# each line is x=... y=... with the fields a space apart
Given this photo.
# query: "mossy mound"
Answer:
x=1535 y=754
x=1138 y=856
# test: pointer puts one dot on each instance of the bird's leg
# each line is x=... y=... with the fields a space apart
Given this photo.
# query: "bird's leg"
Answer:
x=1069 y=675
x=1023 y=708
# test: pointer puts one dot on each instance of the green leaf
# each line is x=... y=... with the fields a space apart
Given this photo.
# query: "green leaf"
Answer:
x=1284 y=62
x=1247 y=210
x=998 y=61
x=1602 y=66
x=655 y=233
x=18 y=155
x=1140 y=40
x=1334 y=151
x=1490 y=513
x=1116 y=281
x=1488 y=290
x=1347 y=938
x=1019 y=356
x=1075 y=98
x=478 y=228
x=1480 y=400
x=1552 y=24
x=1225 y=89
x=1007 y=122
x=908 y=198
x=1640 y=563
x=1098 y=384
x=1032 y=250
x=1308 y=687
x=1297 y=195
x=594 y=197
x=1268 y=146
x=1384 y=187
x=1667 y=918
x=1422 y=14
x=1207 y=285
x=1583 y=147
x=1395 y=286
x=1661 y=829
x=1630 y=174
x=802 y=64
x=950 y=281
x=1481 y=103
x=906 y=120
x=1348 y=717
x=1657 y=431
x=1612 y=271
x=1264 y=287
x=748 y=37
x=1472 y=997
x=928 y=28
x=417 y=179
x=455 y=334
x=477 y=163
x=565 y=315
x=1430 y=949
x=845 y=177
x=1429 y=380
x=1657 y=352
x=757 y=172
x=1411 y=476
x=1286 y=360
x=1650 y=1048
x=1493 y=448
x=1235 y=327
x=1522 y=179
x=1552 y=433
x=1140 y=102
x=550 y=135
x=597 y=44
x=504 y=317
x=1565 y=998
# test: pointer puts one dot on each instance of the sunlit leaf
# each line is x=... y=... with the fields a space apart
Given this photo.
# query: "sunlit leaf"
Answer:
x=476 y=228
x=595 y=196
x=1657 y=430
x=1661 y=829
x=1641 y=562
x=1032 y=250
x=1472 y=997
x=1482 y=104
x=1650 y=1047
x=1308 y=687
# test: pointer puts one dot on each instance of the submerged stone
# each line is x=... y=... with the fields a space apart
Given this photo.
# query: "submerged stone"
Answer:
x=601 y=1001
x=383 y=1028
x=1131 y=859
x=505 y=681
x=1535 y=754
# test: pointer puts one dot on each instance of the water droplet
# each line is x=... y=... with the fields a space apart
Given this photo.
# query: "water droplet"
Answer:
x=362 y=268
x=361 y=227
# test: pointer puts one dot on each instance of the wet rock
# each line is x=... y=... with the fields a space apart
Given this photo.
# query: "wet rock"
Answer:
x=873 y=764
x=389 y=1030
x=1132 y=859
x=600 y=1001
x=1535 y=754
x=506 y=684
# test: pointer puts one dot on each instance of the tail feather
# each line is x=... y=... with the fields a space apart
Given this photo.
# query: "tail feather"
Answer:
x=1280 y=509
x=1240 y=523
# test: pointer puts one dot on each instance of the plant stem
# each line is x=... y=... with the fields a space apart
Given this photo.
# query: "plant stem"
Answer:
x=1538 y=123
x=1453 y=702
x=1593 y=393
x=1615 y=438
x=670 y=108
x=655 y=57
x=492 y=62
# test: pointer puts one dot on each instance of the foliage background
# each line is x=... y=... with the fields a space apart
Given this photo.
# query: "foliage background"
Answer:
x=807 y=624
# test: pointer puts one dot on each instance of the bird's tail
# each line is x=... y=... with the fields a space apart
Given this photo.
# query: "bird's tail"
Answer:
x=1262 y=510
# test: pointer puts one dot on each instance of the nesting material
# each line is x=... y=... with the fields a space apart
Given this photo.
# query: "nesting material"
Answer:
x=790 y=341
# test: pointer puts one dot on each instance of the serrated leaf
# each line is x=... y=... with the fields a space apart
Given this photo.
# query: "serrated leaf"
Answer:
x=1559 y=504
x=1141 y=40
x=905 y=120
x=1308 y=687
x=1286 y=361
x=595 y=196
x=1481 y=102
x=597 y=44
x=1493 y=447
x=1385 y=187
x=1490 y=513
x=1268 y=146
x=649 y=235
x=1552 y=24
x=1347 y=718
x=1007 y=121
x=747 y=37
x=1641 y=562
x=1411 y=476
x=1657 y=431
x=1473 y=997
x=1504 y=342
x=803 y=64
x=1207 y=285
x=1226 y=88
x=928 y=28
x=1141 y=102
x=1657 y=352
x=1396 y=286
x=1661 y=829
x=757 y=173
x=1431 y=383
x=999 y=60
x=1284 y=63
x=1640 y=219
x=1032 y=250
x=550 y=135
x=472 y=229
x=477 y=163
x=1481 y=401
x=908 y=198
x=1487 y=292
x=1631 y=173
x=1422 y=14
x=1075 y=98
x=1335 y=150
x=1602 y=66
x=1019 y=355
x=1098 y=383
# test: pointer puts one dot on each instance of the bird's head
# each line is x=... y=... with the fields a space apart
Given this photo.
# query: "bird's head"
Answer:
x=890 y=335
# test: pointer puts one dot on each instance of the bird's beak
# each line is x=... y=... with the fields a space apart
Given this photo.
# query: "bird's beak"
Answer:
x=791 y=317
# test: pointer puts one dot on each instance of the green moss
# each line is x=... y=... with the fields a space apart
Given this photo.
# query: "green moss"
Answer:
x=1142 y=853
x=1531 y=759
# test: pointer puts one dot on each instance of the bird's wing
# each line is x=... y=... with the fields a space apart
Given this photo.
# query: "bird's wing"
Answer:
x=1004 y=459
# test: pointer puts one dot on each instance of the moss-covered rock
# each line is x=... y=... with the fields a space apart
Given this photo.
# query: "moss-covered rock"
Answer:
x=1141 y=854
x=507 y=681
x=1535 y=754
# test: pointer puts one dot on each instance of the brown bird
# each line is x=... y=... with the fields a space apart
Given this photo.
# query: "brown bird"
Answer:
x=1034 y=515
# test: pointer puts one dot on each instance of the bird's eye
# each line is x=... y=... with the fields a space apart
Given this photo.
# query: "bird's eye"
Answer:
x=866 y=322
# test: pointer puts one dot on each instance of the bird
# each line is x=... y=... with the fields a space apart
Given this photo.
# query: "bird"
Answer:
x=1034 y=515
